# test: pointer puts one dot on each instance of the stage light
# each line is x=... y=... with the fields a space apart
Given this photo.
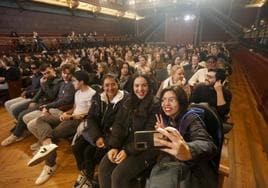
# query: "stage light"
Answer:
x=73 y=4
x=93 y=8
x=131 y=2
x=189 y=17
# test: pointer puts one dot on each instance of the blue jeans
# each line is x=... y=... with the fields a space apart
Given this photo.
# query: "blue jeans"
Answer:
x=16 y=106
x=21 y=126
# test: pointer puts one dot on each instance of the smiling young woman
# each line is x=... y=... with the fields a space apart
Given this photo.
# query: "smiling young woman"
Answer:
x=187 y=154
x=136 y=114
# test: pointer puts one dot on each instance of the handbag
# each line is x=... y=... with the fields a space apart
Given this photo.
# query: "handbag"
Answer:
x=169 y=172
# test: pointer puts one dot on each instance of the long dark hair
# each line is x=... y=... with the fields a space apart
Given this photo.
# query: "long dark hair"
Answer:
x=134 y=100
x=181 y=97
x=120 y=68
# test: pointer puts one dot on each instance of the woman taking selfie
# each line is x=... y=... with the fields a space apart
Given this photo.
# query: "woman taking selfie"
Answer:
x=123 y=163
x=187 y=150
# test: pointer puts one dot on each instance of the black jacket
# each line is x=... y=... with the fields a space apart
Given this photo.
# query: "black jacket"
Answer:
x=11 y=74
x=48 y=91
x=35 y=85
x=65 y=96
x=125 y=83
x=134 y=116
x=198 y=172
x=102 y=115
x=207 y=94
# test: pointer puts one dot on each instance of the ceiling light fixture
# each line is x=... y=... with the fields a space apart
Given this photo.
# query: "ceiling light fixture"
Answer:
x=93 y=8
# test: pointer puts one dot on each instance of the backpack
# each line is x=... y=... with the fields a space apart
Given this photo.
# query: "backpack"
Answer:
x=211 y=122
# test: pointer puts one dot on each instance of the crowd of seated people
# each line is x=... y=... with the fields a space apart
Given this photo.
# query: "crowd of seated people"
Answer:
x=72 y=40
x=8 y=73
x=258 y=33
x=99 y=97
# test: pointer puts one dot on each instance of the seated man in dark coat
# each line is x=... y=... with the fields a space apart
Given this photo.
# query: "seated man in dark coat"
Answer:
x=213 y=92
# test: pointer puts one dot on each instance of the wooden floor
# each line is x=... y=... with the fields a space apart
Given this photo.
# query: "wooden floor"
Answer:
x=14 y=172
x=246 y=148
x=248 y=139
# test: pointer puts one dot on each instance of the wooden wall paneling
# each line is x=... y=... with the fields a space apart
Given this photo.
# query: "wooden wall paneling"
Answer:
x=28 y=21
x=179 y=31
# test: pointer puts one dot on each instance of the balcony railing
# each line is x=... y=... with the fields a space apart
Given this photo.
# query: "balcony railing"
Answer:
x=26 y=43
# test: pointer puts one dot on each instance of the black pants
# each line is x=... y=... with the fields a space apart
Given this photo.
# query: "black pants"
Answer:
x=87 y=156
x=122 y=175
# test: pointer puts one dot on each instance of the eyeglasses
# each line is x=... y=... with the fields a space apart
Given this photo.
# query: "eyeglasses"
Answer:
x=169 y=100
x=33 y=68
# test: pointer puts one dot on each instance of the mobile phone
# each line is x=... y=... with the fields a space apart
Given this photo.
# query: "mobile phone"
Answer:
x=145 y=140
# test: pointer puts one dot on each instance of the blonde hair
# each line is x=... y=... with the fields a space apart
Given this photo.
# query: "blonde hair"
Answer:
x=174 y=68
x=104 y=66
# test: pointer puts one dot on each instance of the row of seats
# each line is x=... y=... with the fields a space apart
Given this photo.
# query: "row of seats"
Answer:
x=255 y=67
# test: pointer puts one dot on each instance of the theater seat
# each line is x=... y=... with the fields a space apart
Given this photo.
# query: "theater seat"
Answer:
x=3 y=96
x=14 y=88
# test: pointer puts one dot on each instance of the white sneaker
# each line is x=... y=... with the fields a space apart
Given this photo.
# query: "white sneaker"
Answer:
x=45 y=174
x=81 y=179
x=10 y=140
x=42 y=154
x=87 y=184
